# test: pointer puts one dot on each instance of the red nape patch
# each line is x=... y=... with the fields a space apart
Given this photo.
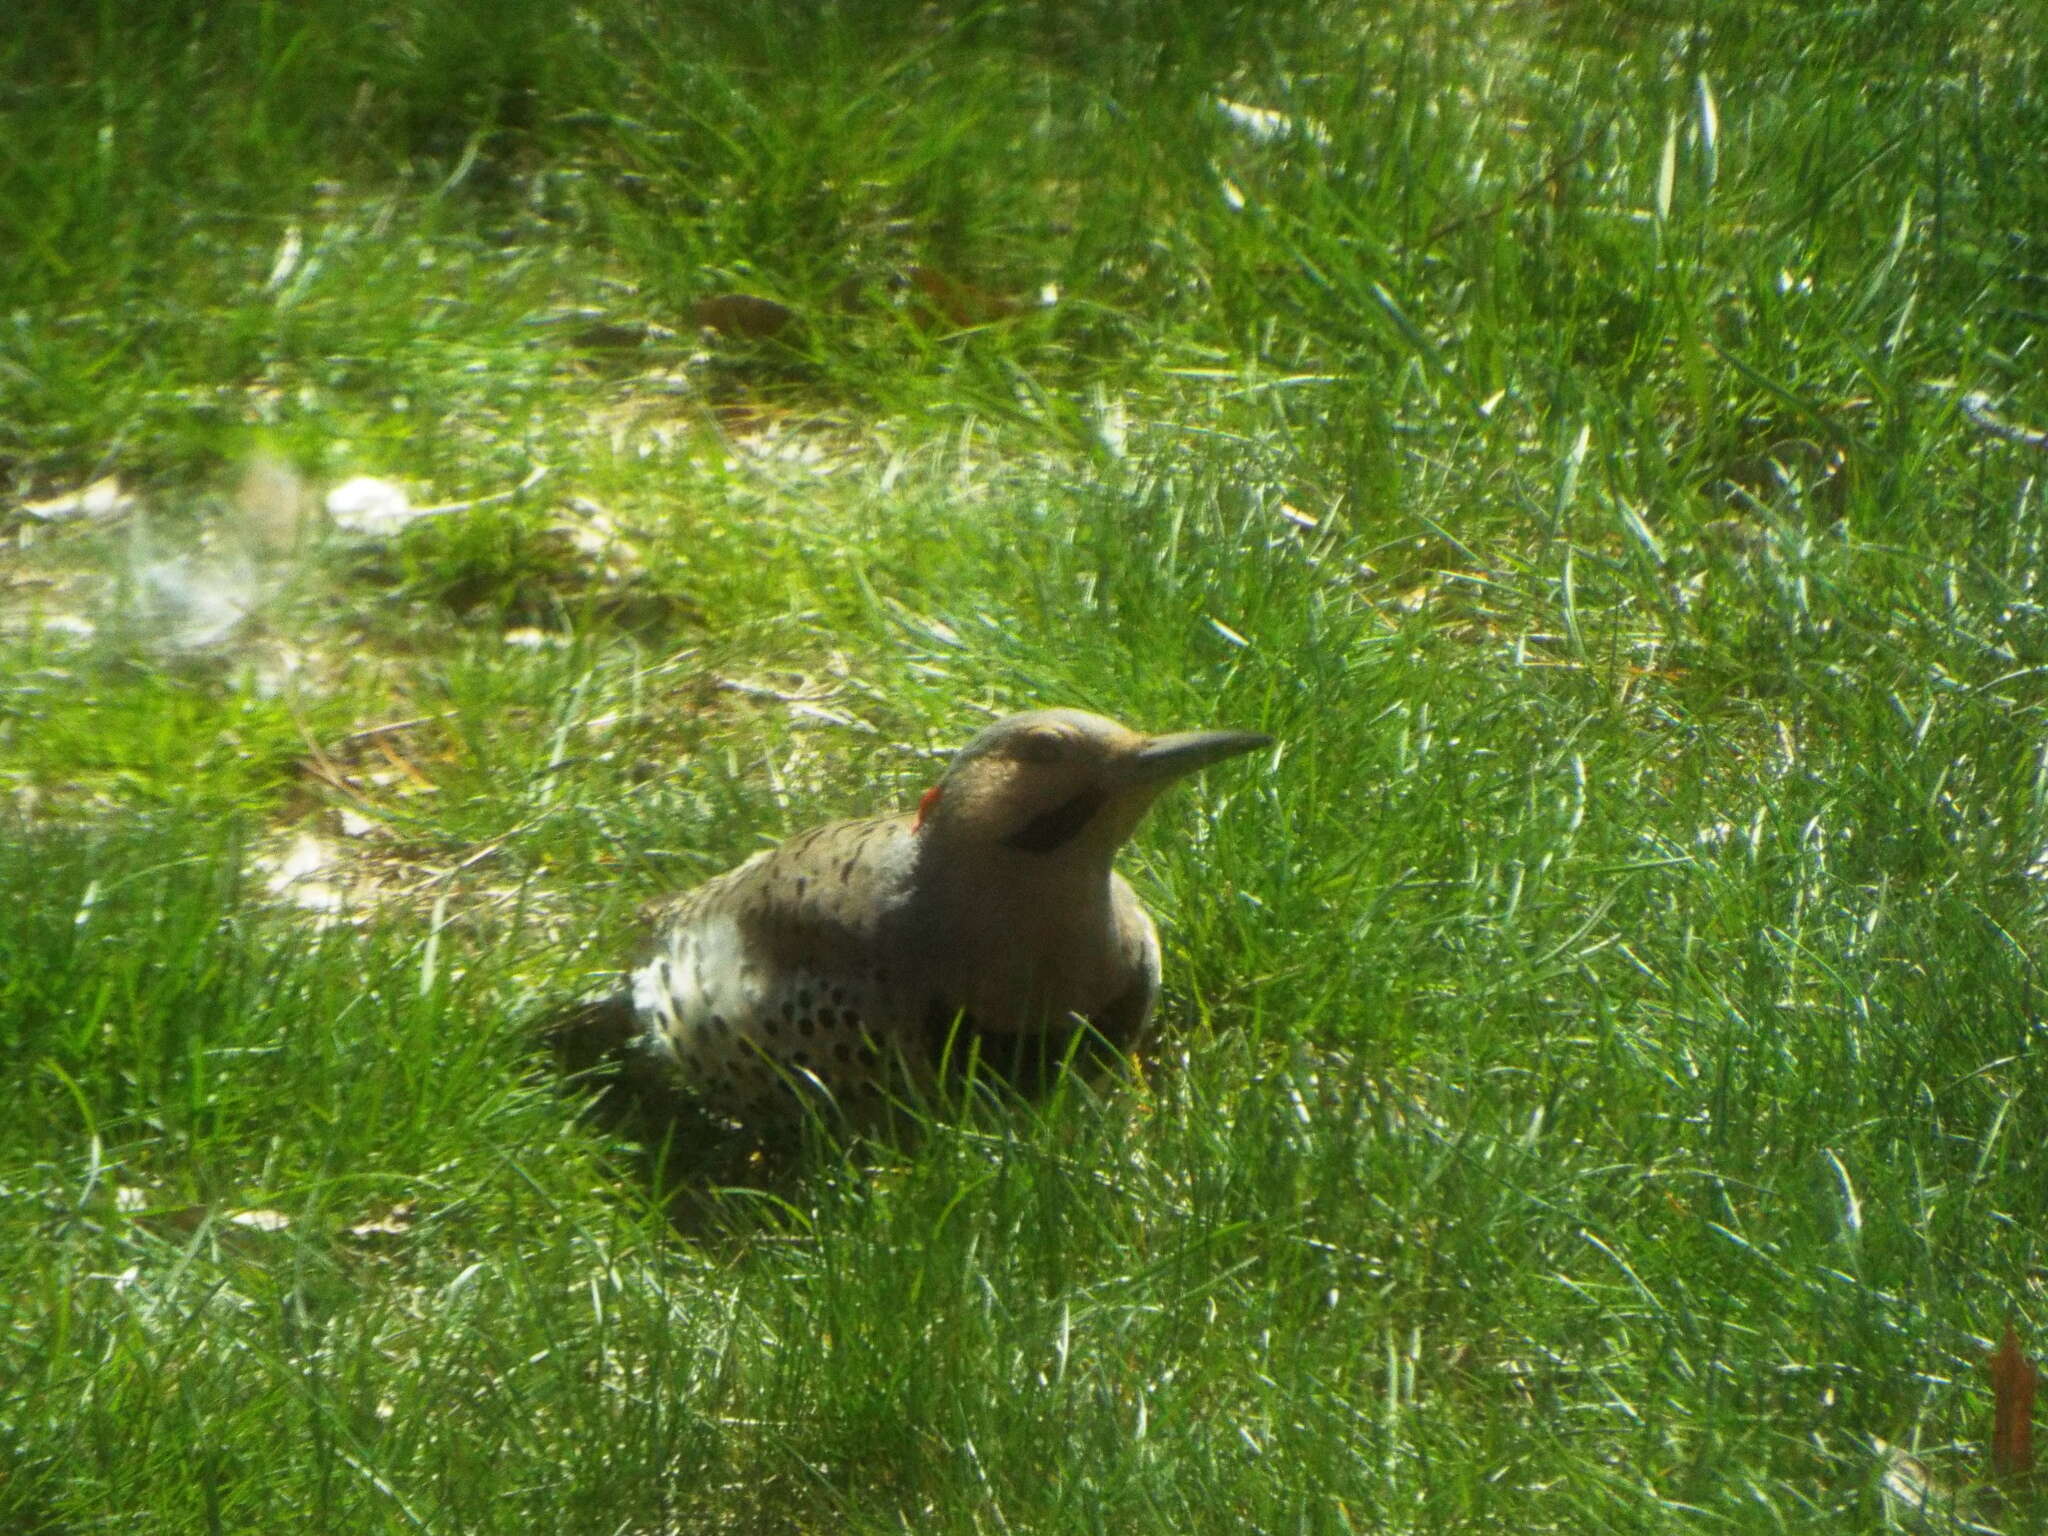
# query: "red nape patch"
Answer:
x=925 y=803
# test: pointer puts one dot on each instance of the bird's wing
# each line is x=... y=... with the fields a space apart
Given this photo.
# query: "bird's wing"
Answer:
x=815 y=888
x=810 y=906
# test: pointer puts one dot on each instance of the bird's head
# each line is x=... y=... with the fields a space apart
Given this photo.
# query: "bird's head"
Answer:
x=1062 y=784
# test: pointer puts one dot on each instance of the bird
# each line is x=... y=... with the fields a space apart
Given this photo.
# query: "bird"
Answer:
x=987 y=930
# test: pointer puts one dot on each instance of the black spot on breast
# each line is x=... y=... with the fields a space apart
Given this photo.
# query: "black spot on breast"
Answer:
x=1049 y=831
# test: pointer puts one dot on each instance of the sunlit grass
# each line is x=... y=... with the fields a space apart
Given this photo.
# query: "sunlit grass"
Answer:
x=1603 y=1078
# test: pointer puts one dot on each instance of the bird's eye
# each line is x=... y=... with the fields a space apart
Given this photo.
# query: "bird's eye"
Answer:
x=1039 y=747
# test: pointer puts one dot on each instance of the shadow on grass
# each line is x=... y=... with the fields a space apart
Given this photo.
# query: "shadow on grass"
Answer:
x=712 y=1174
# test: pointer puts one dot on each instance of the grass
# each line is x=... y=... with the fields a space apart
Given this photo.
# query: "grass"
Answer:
x=1604 y=1086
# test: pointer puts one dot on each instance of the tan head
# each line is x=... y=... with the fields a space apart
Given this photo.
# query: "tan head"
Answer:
x=1062 y=784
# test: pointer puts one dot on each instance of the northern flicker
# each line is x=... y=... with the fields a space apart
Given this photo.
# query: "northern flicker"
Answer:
x=987 y=925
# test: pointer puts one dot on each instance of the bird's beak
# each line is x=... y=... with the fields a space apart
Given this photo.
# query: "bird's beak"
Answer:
x=1162 y=759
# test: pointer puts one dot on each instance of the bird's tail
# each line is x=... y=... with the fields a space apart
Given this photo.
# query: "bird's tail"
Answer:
x=596 y=1047
x=591 y=1037
x=601 y=1051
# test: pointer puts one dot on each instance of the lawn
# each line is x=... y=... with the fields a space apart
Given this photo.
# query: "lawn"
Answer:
x=1604 y=1076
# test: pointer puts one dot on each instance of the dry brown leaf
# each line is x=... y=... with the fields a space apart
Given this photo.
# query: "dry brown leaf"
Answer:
x=746 y=316
x=2013 y=1379
x=184 y=1218
x=189 y=1218
x=104 y=498
x=1908 y=1482
x=958 y=303
x=396 y=1222
x=258 y=1221
x=367 y=505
